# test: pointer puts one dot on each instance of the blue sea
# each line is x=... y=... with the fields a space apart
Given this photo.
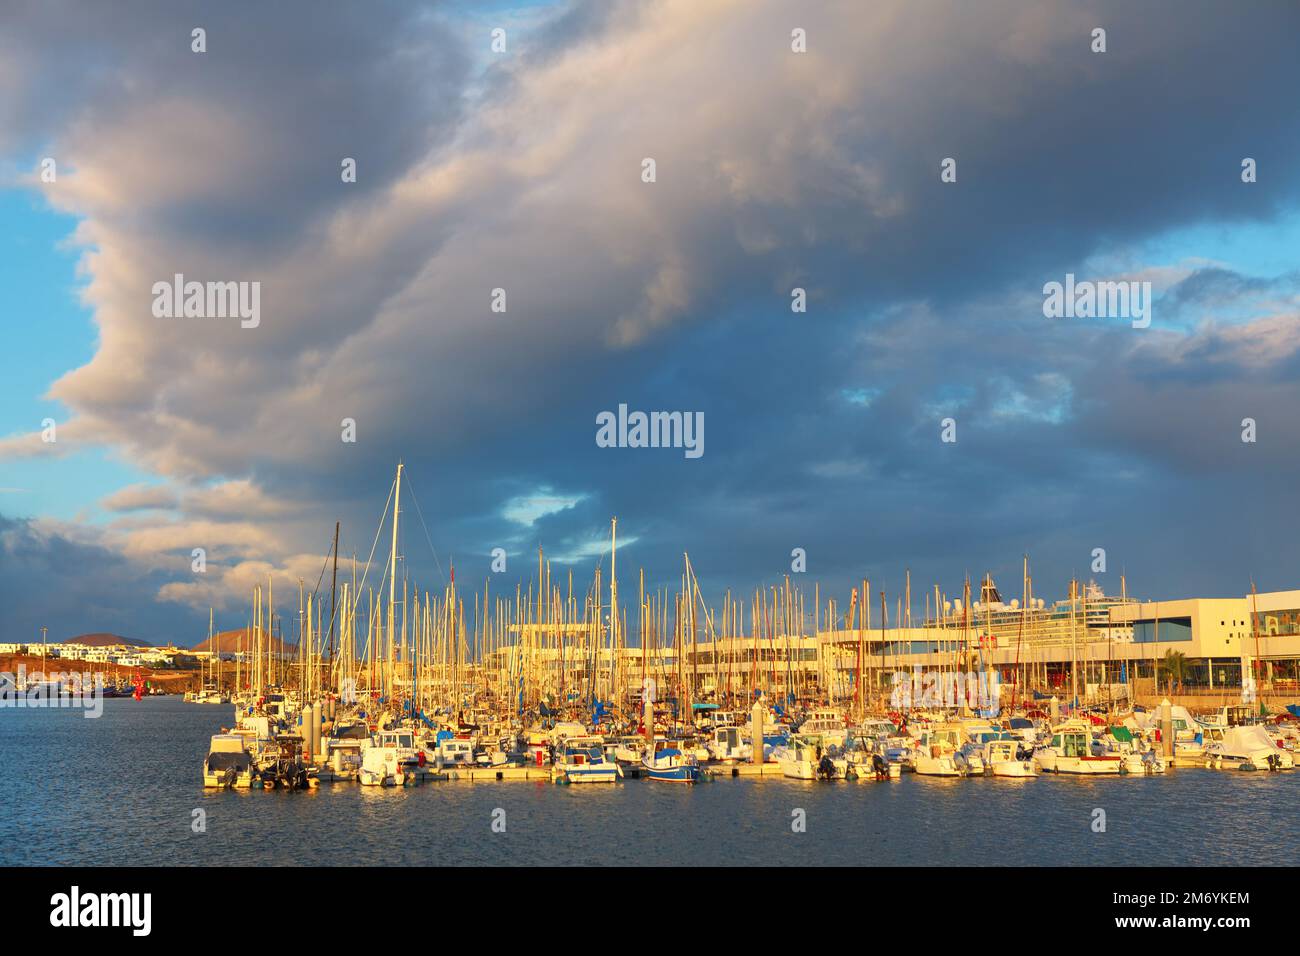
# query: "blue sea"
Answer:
x=126 y=789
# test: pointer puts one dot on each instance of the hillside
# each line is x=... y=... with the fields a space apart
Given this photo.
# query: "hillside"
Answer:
x=102 y=639
x=228 y=642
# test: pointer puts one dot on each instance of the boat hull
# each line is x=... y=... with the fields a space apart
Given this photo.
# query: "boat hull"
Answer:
x=243 y=781
x=597 y=774
x=944 y=766
x=683 y=774
x=1013 y=768
x=1084 y=765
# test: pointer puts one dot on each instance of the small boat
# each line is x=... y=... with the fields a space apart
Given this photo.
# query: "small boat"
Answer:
x=208 y=695
x=454 y=752
x=868 y=759
x=937 y=753
x=727 y=745
x=1248 y=748
x=228 y=763
x=583 y=760
x=671 y=764
x=797 y=760
x=284 y=767
x=629 y=750
x=972 y=752
x=388 y=758
x=1007 y=758
x=493 y=754
x=827 y=725
x=1070 y=751
x=1133 y=757
x=343 y=747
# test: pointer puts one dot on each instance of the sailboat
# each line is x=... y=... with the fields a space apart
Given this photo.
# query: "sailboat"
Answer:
x=211 y=691
x=669 y=763
x=583 y=760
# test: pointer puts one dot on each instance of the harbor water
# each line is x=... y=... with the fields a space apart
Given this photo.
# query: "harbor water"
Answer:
x=126 y=789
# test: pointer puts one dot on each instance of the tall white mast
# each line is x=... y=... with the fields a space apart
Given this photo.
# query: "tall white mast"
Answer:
x=613 y=601
x=392 y=581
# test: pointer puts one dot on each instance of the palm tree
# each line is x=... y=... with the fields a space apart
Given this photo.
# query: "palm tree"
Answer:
x=1175 y=666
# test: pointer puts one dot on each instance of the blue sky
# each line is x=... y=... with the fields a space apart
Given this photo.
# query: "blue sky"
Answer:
x=479 y=170
x=51 y=333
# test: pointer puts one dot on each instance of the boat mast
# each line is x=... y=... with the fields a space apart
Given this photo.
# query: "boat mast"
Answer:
x=392 y=583
x=334 y=583
x=613 y=604
x=1254 y=626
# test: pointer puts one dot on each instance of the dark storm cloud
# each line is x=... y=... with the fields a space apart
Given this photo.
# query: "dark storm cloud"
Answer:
x=775 y=170
x=48 y=579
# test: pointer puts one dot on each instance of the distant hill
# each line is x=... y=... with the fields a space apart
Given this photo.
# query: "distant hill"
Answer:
x=106 y=640
x=228 y=642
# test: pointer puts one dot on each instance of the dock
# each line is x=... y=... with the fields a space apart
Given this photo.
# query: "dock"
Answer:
x=769 y=769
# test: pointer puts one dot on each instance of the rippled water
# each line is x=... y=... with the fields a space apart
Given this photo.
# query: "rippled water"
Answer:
x=123 y=788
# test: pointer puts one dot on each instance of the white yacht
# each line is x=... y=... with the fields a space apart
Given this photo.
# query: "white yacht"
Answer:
x=938 y=752
x=629 y=750
x=727 y=745
x=582 y=760
x=388 y=759
x=1070 y=751
x=1248 y=748
x=343 y=748
x=228 y=763
x=825 y=724
x=454 y=752
x=797 y=760
x=1002 y=759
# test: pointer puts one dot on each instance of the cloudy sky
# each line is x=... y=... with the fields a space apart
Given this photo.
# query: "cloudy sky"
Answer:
x=522 y=170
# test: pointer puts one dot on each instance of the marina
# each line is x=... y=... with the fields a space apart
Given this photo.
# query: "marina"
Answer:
x=553 y=688
x=428 y=564
x=123 y=789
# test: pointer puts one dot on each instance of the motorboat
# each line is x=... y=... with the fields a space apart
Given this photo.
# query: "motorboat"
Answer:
x=583 y=760
x=343 y=746
x=389 y=758
x=284 y=767
x=1069 y=750
x=868 y=758
x=1248 y=748
x=938 y=752
x=728 y=745
x=973 y=753
x=1005 y=757
x=629 y=750
x=208 y=695
x=454 y=752
x=1134 y=757
x=669 y=763
x=494 y=754
x=826 y=725
x=228 y=763
x=794 y=759
x=1023 y=728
